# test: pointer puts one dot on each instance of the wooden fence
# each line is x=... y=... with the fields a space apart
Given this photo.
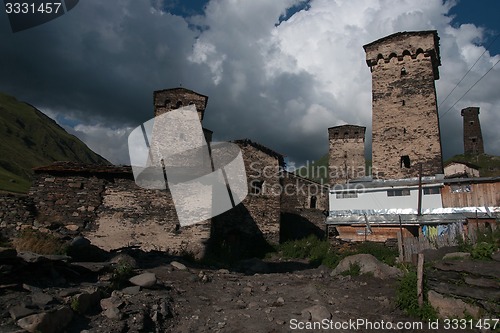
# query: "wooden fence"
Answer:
x=409 y=247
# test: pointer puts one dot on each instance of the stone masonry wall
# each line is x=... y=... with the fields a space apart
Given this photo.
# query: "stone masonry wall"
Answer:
x=346 y=153
x=15 y=211
x=171 y=99
x=66 y=200
x=405 y=119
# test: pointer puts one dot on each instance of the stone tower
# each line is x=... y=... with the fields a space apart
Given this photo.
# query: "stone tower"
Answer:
x=346 y=154
x=405 y=122
x=171 y=99
x=473 y=139
x=174 y=98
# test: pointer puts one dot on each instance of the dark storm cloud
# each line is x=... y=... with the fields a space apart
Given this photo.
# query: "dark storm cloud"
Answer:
x=281 y=83
x=100 y=62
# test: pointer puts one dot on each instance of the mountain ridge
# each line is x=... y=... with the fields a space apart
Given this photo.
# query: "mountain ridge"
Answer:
x=28 y=139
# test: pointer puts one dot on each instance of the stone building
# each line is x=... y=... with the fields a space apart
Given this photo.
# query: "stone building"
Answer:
x=473 y=138
x=346 y=153
x=405 y=123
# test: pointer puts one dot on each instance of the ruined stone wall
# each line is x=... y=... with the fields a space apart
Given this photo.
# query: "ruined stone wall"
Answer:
x=133 y=216
x=346 y=153
x=473 y=138
x=66 y=199
x=15 y=211
x=405 y=119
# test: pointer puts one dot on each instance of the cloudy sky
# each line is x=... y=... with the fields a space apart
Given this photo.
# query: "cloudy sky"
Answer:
x=279 y=72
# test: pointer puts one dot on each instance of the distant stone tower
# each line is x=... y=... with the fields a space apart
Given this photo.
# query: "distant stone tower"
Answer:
x=473 y=139
x=346 y=154
x=405 y=122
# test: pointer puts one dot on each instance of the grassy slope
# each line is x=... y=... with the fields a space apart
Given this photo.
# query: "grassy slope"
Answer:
x=28 y=139
x=489 y=165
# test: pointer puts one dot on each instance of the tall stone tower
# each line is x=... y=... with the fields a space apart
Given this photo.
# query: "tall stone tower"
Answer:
x=346 y=154
x=405 y=122
x=473 y=139
x=174 y=98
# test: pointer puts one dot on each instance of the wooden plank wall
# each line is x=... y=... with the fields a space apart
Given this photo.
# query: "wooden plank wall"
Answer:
x=481 y=194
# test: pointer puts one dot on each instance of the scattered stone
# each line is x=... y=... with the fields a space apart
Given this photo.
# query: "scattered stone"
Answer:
x=240 y=304
x=72 y=227
x=223 y=271
x=145 y=280
x=279 y=302
x=496 y=256
x=41 y=299
x=247 y=290
x=124 y=259
x=456 y=256
x=316 y=313
x=47 y=322
x=110 y=302
x=79 y=241
x=113 y=313
x=367 y=264
x=280 y=322
x=19 y=311
x=178 y=265
x=68 y=292
x=86 y=302
x=134 y=290
x=448 y=307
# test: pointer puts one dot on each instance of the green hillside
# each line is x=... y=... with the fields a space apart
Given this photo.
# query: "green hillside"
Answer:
x=28 y=139
x=489 y=165
x=317 y=170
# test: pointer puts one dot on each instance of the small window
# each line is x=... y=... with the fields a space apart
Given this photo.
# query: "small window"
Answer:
x=405 y=162
x=346 y=195
x=256 y=186
x=403 y=71
x=403 y=102
x=471 y=122
x=312 y=203
x=431 y=190
x=346 y=133
x=474 y=140
x=179 y=104
x=404 y=130
x=398 y=193
x=460 y=188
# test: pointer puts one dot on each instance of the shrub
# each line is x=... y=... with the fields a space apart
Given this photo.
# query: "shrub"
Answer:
x=407 y=299
x=39 y=242
x=483 y=250
x=121 y=273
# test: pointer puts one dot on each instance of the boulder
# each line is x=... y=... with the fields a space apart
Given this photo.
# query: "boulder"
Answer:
x=368 y=264
x=448 y=307
x=316 y=313
x=178 y=265
x=145 y=280
x=47 y=322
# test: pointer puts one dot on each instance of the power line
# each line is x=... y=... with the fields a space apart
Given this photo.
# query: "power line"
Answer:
x=469 y=70
x=470 y=89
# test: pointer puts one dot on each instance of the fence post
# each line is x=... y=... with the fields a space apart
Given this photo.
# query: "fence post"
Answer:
x=420 y=279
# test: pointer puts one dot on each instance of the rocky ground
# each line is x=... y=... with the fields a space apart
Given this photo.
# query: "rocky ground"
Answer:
x=167 y=294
